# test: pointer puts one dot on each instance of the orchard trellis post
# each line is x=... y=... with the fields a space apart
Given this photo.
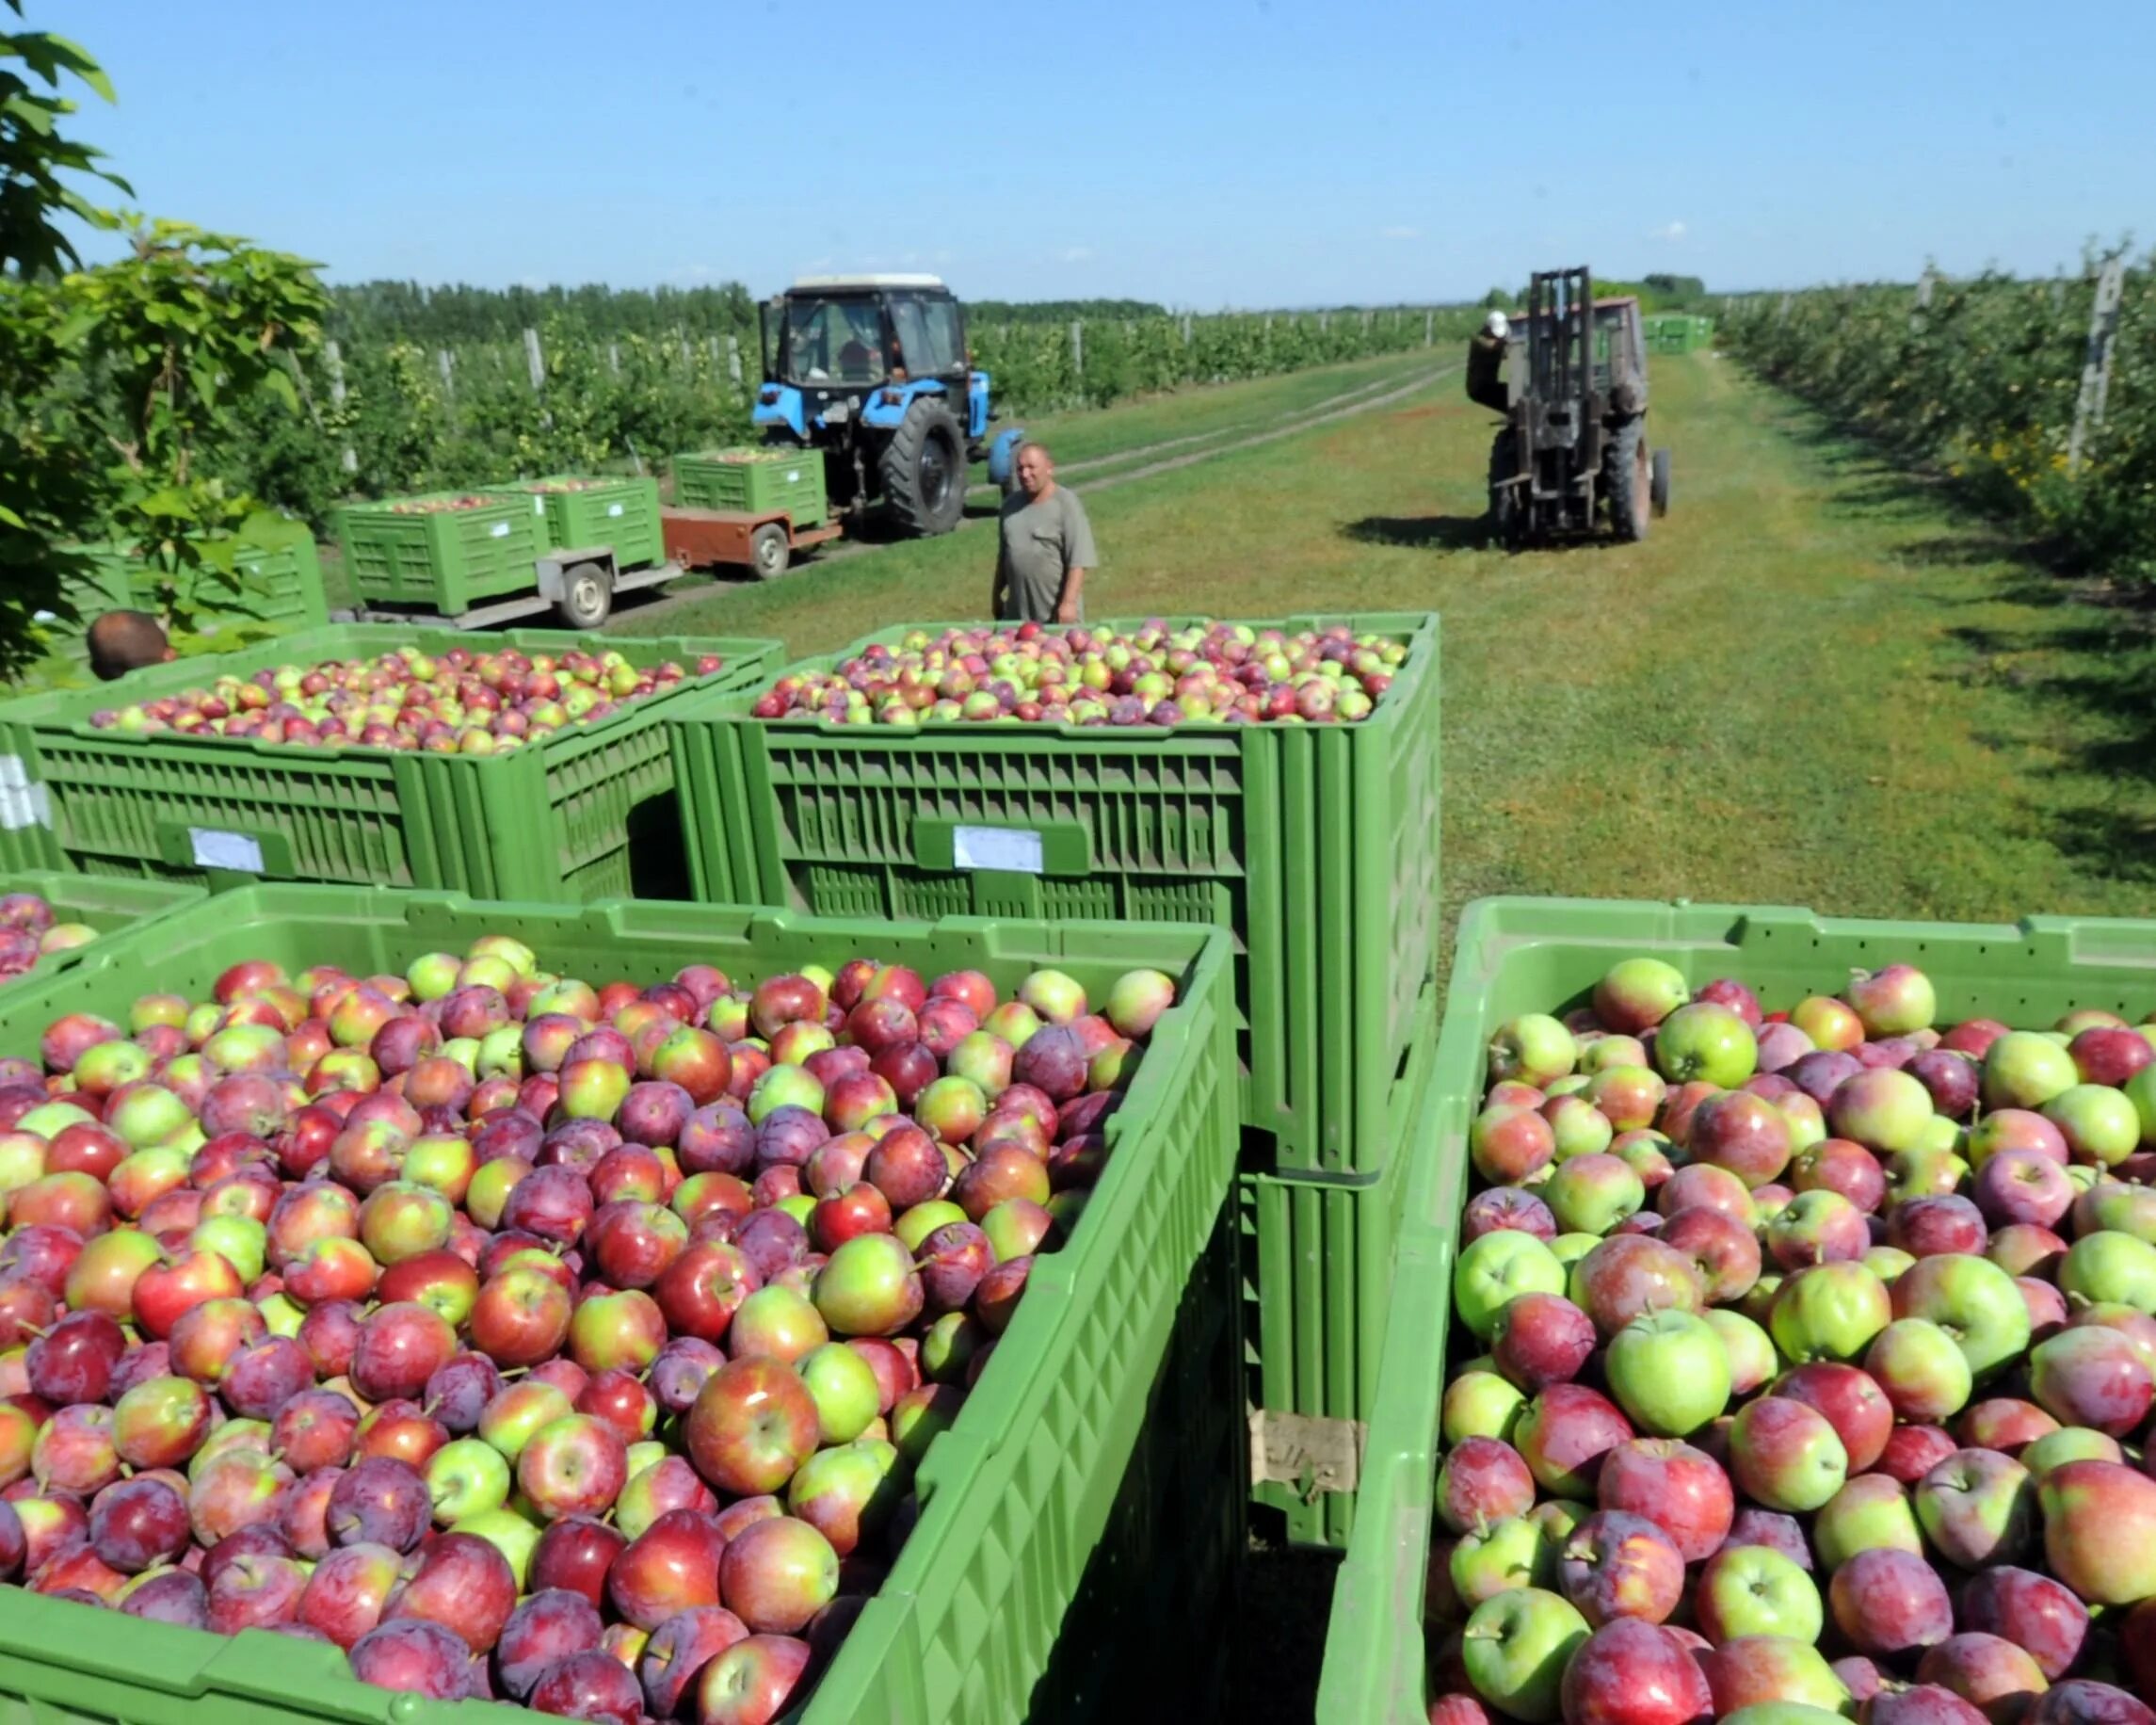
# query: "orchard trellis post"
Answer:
x=734 y=358
x=333 y=357
x=2096 y=362
x=1078 y=346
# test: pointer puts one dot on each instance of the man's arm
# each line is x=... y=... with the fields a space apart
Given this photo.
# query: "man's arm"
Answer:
x=1070 y=601
x=1079 y=556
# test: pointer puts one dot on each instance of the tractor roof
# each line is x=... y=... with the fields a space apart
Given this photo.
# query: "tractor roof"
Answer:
x=841 y=284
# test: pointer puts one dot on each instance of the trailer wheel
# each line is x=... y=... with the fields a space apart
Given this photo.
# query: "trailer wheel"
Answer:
x=587 y=596
x=770 y=551
x=1658 y=487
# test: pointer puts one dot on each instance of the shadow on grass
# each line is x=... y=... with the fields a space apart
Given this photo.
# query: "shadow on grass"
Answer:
x=1423 y=532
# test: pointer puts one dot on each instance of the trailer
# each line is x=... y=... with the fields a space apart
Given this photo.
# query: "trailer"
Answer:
x=762 y=541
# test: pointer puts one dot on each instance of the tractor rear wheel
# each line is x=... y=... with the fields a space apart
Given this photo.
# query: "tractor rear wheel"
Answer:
x=1626 y=478
x=924 y=469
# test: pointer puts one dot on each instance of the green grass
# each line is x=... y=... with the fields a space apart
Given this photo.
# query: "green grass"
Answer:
x=1812 y=685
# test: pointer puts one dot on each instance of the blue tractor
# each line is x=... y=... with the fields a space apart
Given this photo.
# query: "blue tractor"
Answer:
x=875 y=372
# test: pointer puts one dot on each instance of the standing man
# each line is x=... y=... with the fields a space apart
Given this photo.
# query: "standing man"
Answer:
x=1044 y=547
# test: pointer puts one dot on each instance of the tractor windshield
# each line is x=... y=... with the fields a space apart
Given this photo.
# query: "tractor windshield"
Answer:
x=834 y=340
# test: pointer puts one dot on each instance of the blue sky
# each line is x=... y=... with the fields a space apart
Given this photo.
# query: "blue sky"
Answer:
x=1259 y=152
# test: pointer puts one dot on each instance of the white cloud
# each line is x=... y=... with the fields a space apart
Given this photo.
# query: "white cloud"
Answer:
x=1670 y=231
x=1400 y=232
x=1077 y=254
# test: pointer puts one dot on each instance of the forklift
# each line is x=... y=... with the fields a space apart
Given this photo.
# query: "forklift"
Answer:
x=1571 y=459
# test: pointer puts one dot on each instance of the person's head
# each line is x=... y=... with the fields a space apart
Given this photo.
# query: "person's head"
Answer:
x=1496 y=324
x=122 y=642
x=1036 y=468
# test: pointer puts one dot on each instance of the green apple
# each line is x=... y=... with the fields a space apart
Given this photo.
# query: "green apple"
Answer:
x=1869 y=1512
x=1669 y=1371
x=2105 y=1268
x=508 y=1532
x=1705 y=1041
x=1748 y=1349
x=1514 y=1553
x=1516 y=1648
x=1496 y=1269
x=1533 y=1048
x=1756 y=1590
x=1831 y=1311
x=1974 y=1301
x=2025 y=1069
x=1479 y=1404
x=465 y=1478
x=2068 y=1444
x=1592 y=1194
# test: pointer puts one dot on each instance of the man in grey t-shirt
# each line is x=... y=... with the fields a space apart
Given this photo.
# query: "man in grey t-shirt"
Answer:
x=1044 y=547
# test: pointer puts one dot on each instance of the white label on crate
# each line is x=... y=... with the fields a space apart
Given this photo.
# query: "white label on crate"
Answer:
x=613 y=508
x=1017 y=849
x=539 y=504
x=794 y=476
x=13 y=776
x=216 y=849
x=499 y=530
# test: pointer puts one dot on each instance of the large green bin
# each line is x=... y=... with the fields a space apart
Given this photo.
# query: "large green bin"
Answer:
x=104 y=903
x=284 y=592
x=1522 y=955
x=583 y=515
x=1317 y=1288
x=401 y=551
x=1316 y=844
x=1074 y=1554
x=754 y=481
x=586 y=813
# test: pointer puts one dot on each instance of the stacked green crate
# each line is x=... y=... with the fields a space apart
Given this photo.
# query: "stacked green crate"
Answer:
x=754 y=482
x=1528 y=955
x=586 y=812
x=282 y=590
x=1317 y=846
x=584 y=514
x=1080 y=1519
x=105 y=905
x=445 y=550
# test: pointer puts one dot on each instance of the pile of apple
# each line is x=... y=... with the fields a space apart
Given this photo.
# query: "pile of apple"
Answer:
x=29 y=930
x=1206 y=674
x=441 y=506
x=1814 y=1356
x=567 y=485
x=457 y=702
x=519 y=1337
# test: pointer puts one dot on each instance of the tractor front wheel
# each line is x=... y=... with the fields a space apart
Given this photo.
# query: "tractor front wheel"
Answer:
x=924 y=469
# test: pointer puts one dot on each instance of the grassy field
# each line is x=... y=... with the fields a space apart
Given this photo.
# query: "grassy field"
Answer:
x=1812 y=685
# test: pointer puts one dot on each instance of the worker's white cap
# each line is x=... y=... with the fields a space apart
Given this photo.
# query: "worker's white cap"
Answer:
x=1495 y=323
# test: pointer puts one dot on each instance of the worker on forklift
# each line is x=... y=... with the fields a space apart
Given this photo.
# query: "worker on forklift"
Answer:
x=1485 y=363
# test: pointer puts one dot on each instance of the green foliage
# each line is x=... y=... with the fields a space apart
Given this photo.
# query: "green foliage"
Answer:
x=180 y=331
x=1057 y=310
x=46 y=498
x=1983 y=384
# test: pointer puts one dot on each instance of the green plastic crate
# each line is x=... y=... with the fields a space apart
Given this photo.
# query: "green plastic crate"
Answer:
x=623 y=513
x=586 y=814
x=1677 y=331
x=754 y=481
x=1317 y=1281
x=287 y=594
x=1091 y=1479
x=106 y=905
x=447 y=560
x=1317 y=846
x=1519 y=955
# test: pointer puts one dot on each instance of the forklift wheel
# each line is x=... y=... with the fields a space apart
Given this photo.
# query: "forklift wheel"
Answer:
x=1658 y=487
x=587 y=596
x=770 y=551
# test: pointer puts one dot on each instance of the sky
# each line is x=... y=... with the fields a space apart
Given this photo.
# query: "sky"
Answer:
x=1203 y=153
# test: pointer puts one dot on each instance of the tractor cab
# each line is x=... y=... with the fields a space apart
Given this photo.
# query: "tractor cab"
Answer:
x=874 y=371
